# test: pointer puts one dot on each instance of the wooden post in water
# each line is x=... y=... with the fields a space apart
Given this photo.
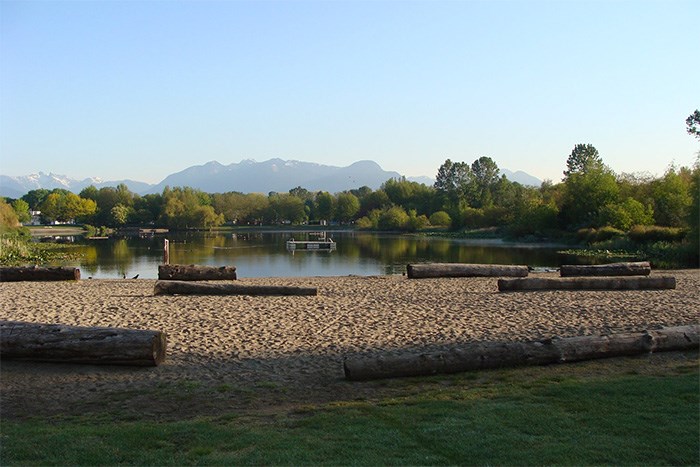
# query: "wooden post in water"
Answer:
x=166 y=252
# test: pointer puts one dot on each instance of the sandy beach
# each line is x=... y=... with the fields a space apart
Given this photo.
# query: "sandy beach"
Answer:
x=223 y=349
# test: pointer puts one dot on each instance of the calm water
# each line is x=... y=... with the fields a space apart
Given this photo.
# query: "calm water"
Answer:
x=263 y=254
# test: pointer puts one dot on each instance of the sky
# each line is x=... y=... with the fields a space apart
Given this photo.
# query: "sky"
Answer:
x=141 y=89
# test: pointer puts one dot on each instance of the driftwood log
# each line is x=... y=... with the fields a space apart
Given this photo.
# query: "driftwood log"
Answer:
x=36 y=273
x=484 y=355
x=587 y=283
x=200 y=288
x=193 y=272
x=74 y=344
x=430 y=270
x=642 y=268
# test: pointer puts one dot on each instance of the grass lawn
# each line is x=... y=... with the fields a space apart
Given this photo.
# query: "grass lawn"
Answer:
x=519 y=417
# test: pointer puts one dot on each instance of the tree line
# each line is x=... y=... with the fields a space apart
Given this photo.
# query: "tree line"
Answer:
x=464 y=195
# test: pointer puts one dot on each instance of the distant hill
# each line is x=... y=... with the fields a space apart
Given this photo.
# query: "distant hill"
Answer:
x=521 y=177
x=277 y=175
x=247 y=176
x=15 y=187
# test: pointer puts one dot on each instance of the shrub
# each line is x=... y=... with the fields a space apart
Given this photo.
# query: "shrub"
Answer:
x=364 y=223
x=473 y=218
x=655 y=233
x=626 y=214
x=8 y=217
x=591 y=235
x=440 y=219
x=671 y=254
x=394 y=218
x=416 y=222
x=497 y=216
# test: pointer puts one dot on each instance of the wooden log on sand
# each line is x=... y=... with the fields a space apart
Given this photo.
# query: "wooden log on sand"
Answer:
x=73 y=344
x=642 y=268
x=36 y=273
x=199 y=288
x=586 y=283
x=194 y=272
x=484 y=355
x=431 y=270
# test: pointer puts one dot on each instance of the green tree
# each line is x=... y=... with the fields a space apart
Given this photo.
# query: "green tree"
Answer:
x=361 y=192
x=35 y=197
x=8 y=217
x=672 y=197
x=375 y=200
x=589 y=185
x=284 y=207
x=416 y=221
x=410 y=195
x=625 y=215
x=399 y=191
x=440 y=219
x=186 y=207
x=325 y=206
x=125 y=196
x=694 y=214
x=205 y=216
x=106 y=198
x=21 y=208
x=394 y=218
x=452 y=183
x=584 y=158
x=240 y=208
x=148 y=208
x=90 y=192
x=347 y=207
x=51 y=207
x=536 y=219
x=693 y=124
x=301 y=193
x=64 y=206
x=120 y=214
x=484 y=175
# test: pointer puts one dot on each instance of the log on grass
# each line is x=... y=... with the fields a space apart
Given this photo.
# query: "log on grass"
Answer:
x=75 y=344
x=431 y=270
x=675 y=338
x=485 y=355
x=200 y=288
x=642 y=268
x=36 y=273
x=587 y=283
x=193 y=272
x=469 y=357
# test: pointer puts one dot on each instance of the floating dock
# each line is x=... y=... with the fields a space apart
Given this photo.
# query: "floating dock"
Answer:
x=322 y=244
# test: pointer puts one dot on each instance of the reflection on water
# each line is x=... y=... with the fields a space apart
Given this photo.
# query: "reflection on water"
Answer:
x=264 y=254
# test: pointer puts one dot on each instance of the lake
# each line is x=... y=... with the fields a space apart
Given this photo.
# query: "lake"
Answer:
x=264 y=254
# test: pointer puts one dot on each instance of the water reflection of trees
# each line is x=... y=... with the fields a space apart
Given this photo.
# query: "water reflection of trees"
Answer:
x=410 y=249
x=119 y=255
x=267 y=253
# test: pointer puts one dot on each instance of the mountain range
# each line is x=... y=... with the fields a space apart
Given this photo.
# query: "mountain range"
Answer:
x=247 y=176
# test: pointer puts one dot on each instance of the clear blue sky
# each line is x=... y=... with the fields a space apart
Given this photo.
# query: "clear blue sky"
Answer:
x=141 y=89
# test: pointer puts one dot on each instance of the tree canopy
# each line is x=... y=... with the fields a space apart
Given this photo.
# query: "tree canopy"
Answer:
x=693 y=124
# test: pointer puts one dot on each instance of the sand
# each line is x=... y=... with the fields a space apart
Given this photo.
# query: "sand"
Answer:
x=224 y=350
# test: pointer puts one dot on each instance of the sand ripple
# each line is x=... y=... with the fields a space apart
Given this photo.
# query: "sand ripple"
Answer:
x=238 y=341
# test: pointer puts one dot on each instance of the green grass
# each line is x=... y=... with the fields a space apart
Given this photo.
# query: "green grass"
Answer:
x=620 y=419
